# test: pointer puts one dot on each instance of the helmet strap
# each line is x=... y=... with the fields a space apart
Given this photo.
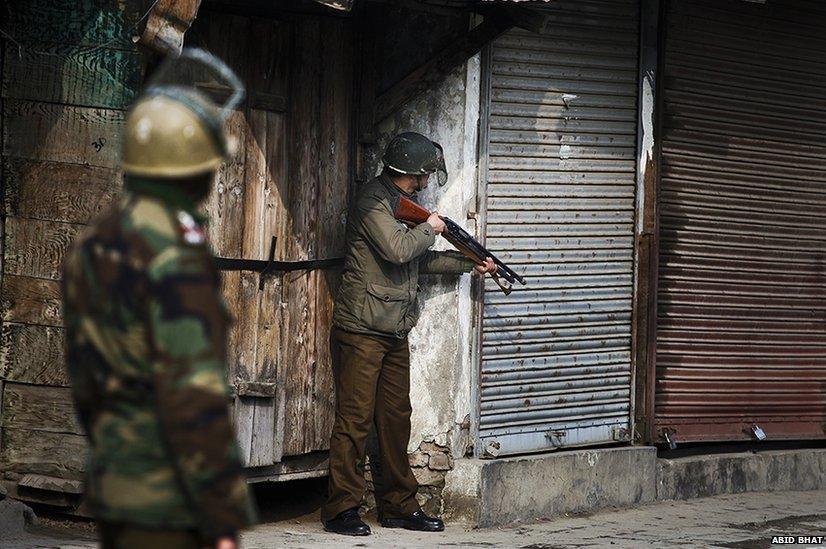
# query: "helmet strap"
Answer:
x=421 y=181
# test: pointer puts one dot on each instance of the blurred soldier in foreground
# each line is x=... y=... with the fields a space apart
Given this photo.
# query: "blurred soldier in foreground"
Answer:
x=374 y=311
x=146 y=331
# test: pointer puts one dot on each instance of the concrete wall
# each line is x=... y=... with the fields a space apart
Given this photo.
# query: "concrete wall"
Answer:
x=440 y=344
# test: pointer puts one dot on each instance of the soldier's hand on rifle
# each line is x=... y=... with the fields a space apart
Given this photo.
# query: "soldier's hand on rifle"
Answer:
x=436 y=222
x=488 y=267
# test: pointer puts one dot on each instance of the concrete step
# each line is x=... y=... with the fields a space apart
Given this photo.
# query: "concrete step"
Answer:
x=520 y=489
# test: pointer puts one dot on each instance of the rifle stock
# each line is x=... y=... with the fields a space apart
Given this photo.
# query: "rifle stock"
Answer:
x=410 y=212
x=413 y=214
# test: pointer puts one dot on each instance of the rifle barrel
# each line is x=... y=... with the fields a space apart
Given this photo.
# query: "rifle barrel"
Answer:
x=477 y=248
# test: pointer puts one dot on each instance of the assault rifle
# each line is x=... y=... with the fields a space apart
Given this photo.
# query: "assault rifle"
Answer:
x=413 y=214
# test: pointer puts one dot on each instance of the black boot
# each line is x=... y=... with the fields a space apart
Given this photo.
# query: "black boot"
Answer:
x=417 y=521
x=348 y=523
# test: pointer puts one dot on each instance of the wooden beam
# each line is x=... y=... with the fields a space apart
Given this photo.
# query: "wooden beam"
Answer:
x=368 y=82
x=524 y=18
x=435 y=69
x=167 y=22
x=646 y=250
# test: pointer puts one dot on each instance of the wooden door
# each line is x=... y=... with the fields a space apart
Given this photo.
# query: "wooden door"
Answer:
x=288 y=179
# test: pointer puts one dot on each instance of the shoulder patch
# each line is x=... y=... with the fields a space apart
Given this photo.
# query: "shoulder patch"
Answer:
x=191 y=231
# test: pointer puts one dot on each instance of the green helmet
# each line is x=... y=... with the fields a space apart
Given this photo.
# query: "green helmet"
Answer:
x=414 y=154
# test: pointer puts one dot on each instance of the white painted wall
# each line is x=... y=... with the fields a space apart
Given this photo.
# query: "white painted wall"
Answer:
x=441 y=368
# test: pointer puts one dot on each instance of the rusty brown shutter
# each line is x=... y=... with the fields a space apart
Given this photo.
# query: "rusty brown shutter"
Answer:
x=561 y=137
x=742 y=305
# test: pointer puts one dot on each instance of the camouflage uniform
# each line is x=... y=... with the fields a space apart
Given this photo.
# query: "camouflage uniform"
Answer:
x=146 y=332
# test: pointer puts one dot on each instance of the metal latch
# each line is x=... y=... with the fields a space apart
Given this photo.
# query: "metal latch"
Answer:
x=556 y=437
x=492 y=449
x=271 y=267
x=620 y=434
x=260 y=389
x=759 y=434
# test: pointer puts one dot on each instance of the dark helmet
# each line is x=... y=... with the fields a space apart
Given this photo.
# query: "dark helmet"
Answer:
x=414 y=154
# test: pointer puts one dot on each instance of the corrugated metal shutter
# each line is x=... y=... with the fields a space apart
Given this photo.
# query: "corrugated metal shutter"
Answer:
x=742 y=289
x=560 y=208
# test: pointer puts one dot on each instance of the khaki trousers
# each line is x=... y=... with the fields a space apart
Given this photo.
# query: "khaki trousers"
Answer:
x=372 y=387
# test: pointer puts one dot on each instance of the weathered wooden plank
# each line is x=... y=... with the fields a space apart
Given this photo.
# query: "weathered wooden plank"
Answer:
x=51 y=484
x=33 y=354
x=267 y=189
x=225 y=205
x=255 y=389
x=270 y=73
x=227 y=36
x=55 y=499
x=268 y=442
x=244 y=415
x=280 y=419
x=334 y=184
x=368 y=82
x=29 y=300
x=89 y=22
x=62 y=133
x=230 y=287
x=246 y=321
x=34 y=247
x=42 y=452
x=39 y=408
x=263 y=219
x=55 y=191
x=88 y=76
x=299 y=295
x=262 y=445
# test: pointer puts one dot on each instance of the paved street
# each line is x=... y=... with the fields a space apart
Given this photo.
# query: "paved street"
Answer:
x=746 y=521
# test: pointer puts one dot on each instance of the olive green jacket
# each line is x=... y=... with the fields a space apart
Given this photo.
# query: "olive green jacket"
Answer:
x=384 y=257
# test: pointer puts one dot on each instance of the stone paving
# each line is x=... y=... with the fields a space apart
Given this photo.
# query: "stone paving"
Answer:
x=746 y=521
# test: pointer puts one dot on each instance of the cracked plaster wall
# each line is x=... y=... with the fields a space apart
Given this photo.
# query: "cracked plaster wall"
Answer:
x=440 y=344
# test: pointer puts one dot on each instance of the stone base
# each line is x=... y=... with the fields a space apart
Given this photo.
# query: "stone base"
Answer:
x=493 y=492
x=770 y=471
x=496 y=492
x=14 y=517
